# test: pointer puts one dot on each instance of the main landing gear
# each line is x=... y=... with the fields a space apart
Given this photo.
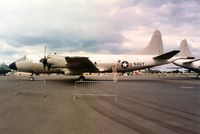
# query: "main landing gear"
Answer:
x=81 y=78
x=31 y=77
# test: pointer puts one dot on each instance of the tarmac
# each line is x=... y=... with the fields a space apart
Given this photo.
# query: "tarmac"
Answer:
x=144 y=105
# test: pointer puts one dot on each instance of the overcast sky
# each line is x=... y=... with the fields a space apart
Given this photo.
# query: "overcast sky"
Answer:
x=95 y=26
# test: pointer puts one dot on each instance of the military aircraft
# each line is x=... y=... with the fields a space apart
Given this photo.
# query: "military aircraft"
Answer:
x=150 y=56
x=4 y=69
x=187 y=60
x=26 y=65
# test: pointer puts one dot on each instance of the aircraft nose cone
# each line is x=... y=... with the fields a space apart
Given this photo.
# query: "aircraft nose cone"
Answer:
x=13 y=66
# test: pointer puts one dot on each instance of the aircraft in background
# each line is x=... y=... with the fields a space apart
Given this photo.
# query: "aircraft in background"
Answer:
x=187 y=60
x=28 y=66
x=148 y=57
x=4 y=69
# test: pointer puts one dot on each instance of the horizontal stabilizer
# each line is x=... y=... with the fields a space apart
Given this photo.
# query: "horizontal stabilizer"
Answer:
x=82 y=64
x=167 y=55
x=189 y=62
x=190 y=57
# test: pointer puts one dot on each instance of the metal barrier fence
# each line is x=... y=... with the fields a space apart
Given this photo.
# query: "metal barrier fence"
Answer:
x=28 y=86
x=7 y=85
x=95 y=88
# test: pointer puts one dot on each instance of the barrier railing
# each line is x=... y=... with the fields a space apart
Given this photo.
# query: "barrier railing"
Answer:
x=28 y=86
x=95 y=88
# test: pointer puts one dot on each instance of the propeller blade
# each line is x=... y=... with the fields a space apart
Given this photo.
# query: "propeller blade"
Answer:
x=44 y=60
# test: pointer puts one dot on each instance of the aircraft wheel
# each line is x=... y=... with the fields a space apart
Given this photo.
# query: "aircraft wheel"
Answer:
x=81 y=78
x=32 y=78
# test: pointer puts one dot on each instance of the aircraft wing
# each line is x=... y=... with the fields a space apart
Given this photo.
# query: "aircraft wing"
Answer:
x=167 y=55
x=189 y=62
x=82 y=64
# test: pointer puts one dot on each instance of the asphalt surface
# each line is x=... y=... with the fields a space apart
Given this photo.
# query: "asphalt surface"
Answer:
x=144 y=105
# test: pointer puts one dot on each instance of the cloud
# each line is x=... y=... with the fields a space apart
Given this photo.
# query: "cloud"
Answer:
x=113 y=26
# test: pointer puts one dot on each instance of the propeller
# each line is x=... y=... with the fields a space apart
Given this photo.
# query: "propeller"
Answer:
x=44 y=60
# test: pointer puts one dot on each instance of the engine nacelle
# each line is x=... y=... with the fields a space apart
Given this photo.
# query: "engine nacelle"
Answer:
x=67 y=71
x=56 y=61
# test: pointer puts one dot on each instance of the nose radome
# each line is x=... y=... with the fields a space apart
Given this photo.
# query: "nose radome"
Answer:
x=13 y=66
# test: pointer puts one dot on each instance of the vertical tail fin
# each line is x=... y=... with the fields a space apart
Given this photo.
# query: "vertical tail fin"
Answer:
x=185 y=51
x=155 y=46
